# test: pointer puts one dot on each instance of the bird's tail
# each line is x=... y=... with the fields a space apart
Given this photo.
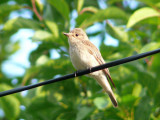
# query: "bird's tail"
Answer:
x=103 y=82
x=113 y=99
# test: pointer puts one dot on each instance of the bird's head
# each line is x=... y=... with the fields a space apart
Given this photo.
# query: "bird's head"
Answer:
x=76 y=35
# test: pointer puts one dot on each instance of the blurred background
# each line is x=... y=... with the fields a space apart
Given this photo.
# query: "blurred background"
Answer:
x=33 y=49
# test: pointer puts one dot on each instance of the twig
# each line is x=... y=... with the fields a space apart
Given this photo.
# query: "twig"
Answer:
x=35 y=10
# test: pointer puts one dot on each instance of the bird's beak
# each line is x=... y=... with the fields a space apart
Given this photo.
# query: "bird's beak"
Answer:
x=66 y=34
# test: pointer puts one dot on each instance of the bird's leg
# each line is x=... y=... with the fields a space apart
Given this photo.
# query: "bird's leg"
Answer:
x=90 y=70
x=75 y=74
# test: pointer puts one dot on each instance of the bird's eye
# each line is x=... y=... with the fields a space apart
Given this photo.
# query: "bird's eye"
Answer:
x=77 y=35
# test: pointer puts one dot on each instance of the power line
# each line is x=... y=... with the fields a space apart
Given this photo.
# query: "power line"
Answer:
x=80 y=73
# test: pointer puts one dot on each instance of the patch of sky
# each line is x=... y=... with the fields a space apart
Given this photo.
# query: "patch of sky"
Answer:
x=93 y=29
x=14 y=81
x=102 y=4
x=34 y=81
x=11 y=2
x=2 y=114
x=24 y=93
x=73 y=15
x=57 y=76
x=1 y=27
x=133 y=4
x=22 y=107
x=110 y=40
x=25 y=13
x=54 y=54
x=16 y=64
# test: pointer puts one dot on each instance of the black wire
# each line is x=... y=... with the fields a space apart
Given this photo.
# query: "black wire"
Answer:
x=80 y=73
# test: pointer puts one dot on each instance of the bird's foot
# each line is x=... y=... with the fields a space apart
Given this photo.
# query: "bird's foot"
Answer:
x=90 y=70
x=75 y=74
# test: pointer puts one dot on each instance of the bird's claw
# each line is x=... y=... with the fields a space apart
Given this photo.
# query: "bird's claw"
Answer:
x=75 y=74
x=90 y=70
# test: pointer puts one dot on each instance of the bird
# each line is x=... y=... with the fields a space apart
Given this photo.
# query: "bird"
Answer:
x=85 y=55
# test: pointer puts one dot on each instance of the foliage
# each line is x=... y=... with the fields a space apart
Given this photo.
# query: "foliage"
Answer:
x=137 y=83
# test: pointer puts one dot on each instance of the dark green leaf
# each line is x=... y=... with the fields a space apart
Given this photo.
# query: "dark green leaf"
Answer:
x=143 y=110
x=61 y=6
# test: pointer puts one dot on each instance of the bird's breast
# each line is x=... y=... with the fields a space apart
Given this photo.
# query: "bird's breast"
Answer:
x=78 y=55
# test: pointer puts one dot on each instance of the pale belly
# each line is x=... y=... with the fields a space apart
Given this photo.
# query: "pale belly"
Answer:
x=82 y=59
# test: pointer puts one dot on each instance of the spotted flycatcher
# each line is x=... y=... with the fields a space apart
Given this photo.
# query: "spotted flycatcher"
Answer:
x=85 y=55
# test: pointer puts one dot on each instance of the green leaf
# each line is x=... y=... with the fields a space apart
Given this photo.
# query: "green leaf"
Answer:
x=128 y=100
x=150 y=46
x=53 y=27
x=101 y=102
x=108 y=13
x=143 y=110
x=81 y=18
x=83 y=113
x=61 y=6
x=137 y=90
x=42 y=60
x=17 y=23
x=42 y=35
x=158 y=4
x=149 y=2
x=80 y=5
x=142 y=14
x=117 y=32
x=5 y=9
x=10 y=104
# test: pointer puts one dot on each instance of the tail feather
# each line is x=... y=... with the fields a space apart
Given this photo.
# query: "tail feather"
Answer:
x=113 y=99
x=103 y=82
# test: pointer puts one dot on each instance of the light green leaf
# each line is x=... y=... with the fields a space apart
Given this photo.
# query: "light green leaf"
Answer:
x=158 y=4
x=40 y=5
x=80 y=5
x=42 y=60
x=142 y=14
x=108 y=13
x=9 y=104
x=137 y=90
x=83 y=113
x=89 y=9
x=42 y=35
x=150 y=46
x=117 y=32
x=5 y=87
x=61 y=6
x=53 y=27
x=100 y=102
x=17 y=23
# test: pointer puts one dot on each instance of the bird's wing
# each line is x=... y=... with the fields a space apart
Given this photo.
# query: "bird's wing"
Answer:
x=92 y=49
